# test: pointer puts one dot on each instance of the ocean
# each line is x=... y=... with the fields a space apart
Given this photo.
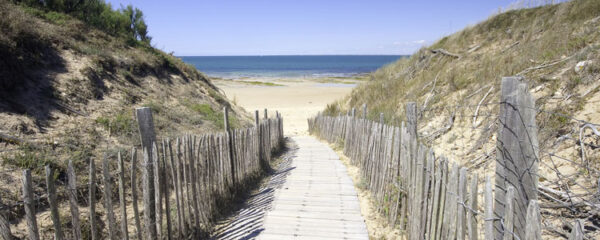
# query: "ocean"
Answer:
x=233 y=67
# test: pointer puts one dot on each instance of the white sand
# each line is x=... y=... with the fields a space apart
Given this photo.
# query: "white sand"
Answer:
x=298 y=100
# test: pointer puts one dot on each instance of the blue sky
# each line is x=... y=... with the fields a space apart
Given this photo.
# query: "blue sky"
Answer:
x=300 y=27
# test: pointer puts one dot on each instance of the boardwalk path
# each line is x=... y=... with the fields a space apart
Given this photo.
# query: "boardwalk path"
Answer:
x=310 y=196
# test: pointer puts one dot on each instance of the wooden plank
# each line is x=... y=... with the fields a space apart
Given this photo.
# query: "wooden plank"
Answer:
x=134 y=195
x=517 y=144
x=122 y=201
x=193 y=173
x=435 y=203
x=110 y=215
x=534 y=222
x=182 y=185
x=177 y=186
x=28 y=203
x=5 y=232
x=148 y=195
x=472 y=215
x=58 y=234
x=148 y=137
x=443 y=191
x=158 y=190
x=74 y=206
x=509 y=213
x=230 y=144
x=489 y=210
x=92 y=200
x=452 y=203
x=577 y=231
x=165 y=186
x=461 y=206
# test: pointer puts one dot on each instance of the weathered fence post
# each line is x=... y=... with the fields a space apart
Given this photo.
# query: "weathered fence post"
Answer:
x=534 y=225
x=58 y=234
x=165 y=186
x=28 y=203
x=509 y=214
x=92 y=195
x=5 y=232
x=472 y=216
x=230 y=143
x=110 y=216
x=577 y=231
x=517 y=154
x=488 y=220
x=134 y=195
x=148 y=137
x=72 y=192
x=122 y=203
x=381 y=118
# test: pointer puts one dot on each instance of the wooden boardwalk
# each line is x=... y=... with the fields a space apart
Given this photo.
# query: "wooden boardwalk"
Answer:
x=317 y=200
x=314 y=199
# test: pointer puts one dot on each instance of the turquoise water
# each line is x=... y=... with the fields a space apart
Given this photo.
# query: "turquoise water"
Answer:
x=288 y=66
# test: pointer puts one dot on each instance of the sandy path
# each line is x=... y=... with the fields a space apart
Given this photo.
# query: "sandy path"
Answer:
x=296 y=101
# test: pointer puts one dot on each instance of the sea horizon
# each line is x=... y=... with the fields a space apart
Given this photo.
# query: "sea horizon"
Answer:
x=294 y=66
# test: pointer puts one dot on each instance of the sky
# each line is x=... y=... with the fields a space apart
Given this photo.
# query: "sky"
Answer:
x=305 y=27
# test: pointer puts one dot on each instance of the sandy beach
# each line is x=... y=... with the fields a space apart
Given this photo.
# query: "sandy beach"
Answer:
x=295 y=98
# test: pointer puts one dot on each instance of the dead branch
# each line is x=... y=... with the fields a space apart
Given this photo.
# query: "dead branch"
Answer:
x=435 y=135
x=475 y=123
x=581 y=144
x=473 y=49
x=511 y=46
x=430 y=93
x=476 y=91
x=444 y=52
x=10 y=139
x=574 y=200
x=543 y=65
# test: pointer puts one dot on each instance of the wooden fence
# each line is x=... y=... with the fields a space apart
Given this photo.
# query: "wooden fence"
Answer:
x=184 y=182
x=431 y=197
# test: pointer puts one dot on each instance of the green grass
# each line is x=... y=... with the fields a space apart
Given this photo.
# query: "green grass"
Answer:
x=259 y=83
x=215 y=117
x=120 y=124
x=30 y=157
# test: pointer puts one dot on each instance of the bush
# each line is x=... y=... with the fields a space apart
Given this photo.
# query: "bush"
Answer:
x=128 y=22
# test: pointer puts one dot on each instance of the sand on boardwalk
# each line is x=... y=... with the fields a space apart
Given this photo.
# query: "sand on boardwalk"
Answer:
x=295 y=99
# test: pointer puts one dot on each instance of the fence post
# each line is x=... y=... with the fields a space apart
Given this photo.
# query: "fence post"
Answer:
x=517 y=154
x=488 y=220
x=229 y=143
x=266 y=115
x=5 y=232
x=165 y=186
x=122 y=203
x=58 y=234
x=472 y=216
x=134 y=194
x=110 y=215
x=28 y=202
x=534 y=225
x=72 y=192
x=577 y=231
x=147 y=135
x=381 y=118
x=92 y=195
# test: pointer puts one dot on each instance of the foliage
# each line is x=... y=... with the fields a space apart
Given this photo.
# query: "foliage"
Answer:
x=30 y=157
x=128 y=21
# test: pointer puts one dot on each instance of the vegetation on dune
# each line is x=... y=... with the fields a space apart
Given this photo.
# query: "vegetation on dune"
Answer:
x=506 y=44
x=71 y=74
